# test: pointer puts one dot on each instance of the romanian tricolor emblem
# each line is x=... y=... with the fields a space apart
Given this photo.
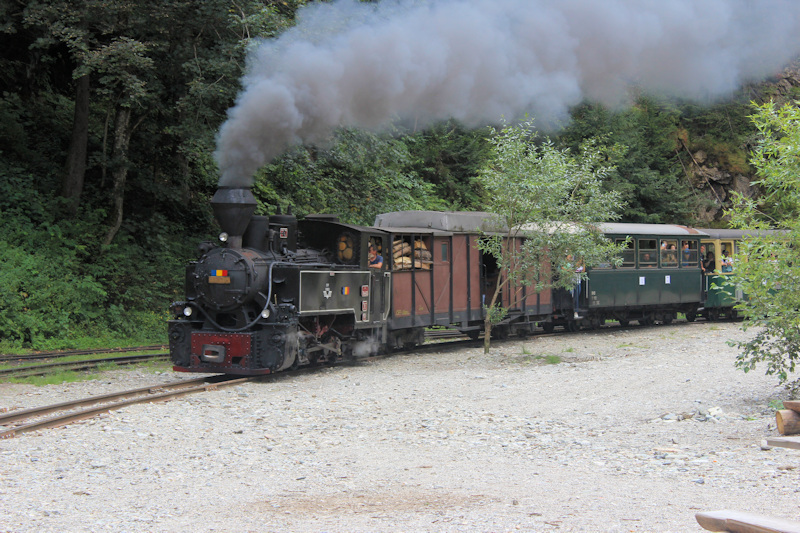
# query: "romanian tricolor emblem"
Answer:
x=345 y=290
x=219 y=277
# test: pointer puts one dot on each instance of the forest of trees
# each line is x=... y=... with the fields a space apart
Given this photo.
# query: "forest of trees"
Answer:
x=109 y=114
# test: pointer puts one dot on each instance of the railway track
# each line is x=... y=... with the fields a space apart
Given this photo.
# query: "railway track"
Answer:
x=77 y=366
x=23 y=421
x=68 y=353
x=438 y=338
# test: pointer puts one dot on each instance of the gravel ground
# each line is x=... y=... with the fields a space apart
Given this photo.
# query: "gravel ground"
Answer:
x=633 y=430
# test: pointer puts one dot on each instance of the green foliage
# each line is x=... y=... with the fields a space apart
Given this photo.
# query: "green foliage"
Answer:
x=641 y=142
x=177 y=65
x=768 y=266
x=775 y=405
x=67 y=376
x=360 y=175
x=57 y=287
x=726 y=154
x=552 y=198
x=449 y=157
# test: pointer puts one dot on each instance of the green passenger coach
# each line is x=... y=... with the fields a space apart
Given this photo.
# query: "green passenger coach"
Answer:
x=660 y=276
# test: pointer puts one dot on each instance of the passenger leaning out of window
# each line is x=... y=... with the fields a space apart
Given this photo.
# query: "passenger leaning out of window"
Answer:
x=726 y=262
x=375 y=260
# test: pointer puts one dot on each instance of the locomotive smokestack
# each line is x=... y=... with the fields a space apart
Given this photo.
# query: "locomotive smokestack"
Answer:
x=233 y=207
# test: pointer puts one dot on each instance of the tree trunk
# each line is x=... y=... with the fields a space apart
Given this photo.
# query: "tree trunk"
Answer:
x=487 y=323
x=119 y=156
x=487 y=334
x=72 y=185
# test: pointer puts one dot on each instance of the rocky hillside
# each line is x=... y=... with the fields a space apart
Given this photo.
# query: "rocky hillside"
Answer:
x=717 y=169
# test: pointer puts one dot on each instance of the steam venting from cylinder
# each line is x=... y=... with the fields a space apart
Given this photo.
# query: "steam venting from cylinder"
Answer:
x=366 y=64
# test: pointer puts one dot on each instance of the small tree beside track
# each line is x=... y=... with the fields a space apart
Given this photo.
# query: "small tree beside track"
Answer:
x=554 y=201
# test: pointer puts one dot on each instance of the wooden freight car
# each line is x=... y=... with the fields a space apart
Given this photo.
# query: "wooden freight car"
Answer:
x=440 y=278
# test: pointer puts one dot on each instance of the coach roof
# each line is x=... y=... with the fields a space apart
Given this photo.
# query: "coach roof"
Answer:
x=452 y=221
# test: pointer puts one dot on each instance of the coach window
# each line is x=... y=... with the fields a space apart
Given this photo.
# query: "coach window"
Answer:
x=668 y=250
x=445 y=254
x=648 y=255
x=689 y=255
x=726 y=256
x=628 y=254
x=710 y=261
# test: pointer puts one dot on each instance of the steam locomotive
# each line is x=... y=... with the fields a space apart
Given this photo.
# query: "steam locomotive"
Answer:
x=279 y=292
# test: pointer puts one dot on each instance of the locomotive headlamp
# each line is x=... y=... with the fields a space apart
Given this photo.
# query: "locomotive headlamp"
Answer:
x=223 y=236
x=187 y=311
x=265 y=313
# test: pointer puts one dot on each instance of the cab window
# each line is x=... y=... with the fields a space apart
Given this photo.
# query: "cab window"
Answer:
x=376 y=256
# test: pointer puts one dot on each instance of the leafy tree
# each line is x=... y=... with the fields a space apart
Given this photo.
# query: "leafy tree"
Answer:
x=768 y=266
x=641 y=142
x=360 y=175
x=162 y=76
x=553 y=200
x=449 y=156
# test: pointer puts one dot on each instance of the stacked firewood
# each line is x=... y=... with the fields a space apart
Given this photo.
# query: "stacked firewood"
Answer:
x=788 y=418
x=406 y=255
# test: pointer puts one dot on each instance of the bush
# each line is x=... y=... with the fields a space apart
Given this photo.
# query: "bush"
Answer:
x=42 y=296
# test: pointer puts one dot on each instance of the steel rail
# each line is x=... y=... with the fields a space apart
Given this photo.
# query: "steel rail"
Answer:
x=109 y=402
x=67 y=353
x=47 y=368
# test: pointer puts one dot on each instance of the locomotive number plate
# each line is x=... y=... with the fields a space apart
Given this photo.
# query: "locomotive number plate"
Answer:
x=220 y=280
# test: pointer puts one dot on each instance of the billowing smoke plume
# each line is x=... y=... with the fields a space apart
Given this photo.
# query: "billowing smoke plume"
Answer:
x=363 y=64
